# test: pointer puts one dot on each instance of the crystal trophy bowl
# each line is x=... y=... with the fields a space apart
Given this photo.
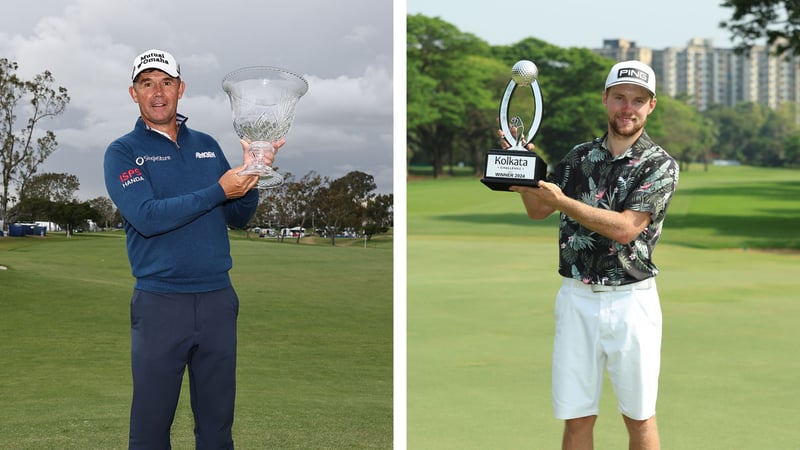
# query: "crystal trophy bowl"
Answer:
x=263 y=101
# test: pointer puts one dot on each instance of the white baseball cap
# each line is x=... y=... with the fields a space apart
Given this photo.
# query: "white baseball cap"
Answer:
x=632 y=72
x=156 y=59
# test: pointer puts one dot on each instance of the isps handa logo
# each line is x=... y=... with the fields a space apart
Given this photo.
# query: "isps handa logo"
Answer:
x=131 y=176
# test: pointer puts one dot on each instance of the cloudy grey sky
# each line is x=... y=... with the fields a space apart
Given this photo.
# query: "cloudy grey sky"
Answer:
x=343 y=48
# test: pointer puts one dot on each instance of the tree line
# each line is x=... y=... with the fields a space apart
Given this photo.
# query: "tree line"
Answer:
x=331 y=206
x=328 y=206
x=456 y=80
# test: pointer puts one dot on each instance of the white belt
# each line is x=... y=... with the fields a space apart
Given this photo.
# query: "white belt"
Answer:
x=644 y=284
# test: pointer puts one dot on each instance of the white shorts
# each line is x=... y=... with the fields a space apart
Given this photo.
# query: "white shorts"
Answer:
x=617 y=329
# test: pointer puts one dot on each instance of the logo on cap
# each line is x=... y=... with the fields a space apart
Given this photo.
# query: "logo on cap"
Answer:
x=628 y=72
x=153 y=58
x=156 y=59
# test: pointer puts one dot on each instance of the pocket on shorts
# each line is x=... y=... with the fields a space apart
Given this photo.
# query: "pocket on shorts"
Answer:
x=649 y=307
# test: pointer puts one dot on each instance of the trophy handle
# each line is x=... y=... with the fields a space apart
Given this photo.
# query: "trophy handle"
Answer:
x=537 y=115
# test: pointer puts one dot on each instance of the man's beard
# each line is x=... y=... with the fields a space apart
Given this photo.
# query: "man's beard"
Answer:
x=637 y=127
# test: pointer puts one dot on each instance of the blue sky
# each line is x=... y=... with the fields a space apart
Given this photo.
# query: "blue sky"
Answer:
x=584 y=23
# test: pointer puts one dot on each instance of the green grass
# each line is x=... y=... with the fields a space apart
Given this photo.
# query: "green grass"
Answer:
x=315 y=345
x=481 y=283
x=727 y=207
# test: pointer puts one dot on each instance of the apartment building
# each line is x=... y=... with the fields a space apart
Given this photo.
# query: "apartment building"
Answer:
x=705 y=75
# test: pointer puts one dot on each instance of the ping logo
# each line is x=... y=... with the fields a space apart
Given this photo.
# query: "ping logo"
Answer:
x=633 y=73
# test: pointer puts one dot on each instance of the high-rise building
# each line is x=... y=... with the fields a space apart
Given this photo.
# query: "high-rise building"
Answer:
x=623 y=50
x=704 y=75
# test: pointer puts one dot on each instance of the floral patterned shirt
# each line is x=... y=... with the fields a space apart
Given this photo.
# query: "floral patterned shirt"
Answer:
x=641 y=179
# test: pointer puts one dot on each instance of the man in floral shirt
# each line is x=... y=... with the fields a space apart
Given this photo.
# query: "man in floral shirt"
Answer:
x=612 y=194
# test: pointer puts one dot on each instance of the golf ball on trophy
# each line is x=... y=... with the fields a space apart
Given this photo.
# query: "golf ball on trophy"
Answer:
x=524 y=72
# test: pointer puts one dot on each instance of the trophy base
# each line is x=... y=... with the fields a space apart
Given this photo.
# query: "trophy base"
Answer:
x=269 y=181
x=268 y=178
x=506 y=168
x=504 y=184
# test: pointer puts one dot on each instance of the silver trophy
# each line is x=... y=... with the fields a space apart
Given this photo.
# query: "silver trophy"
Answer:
x=263 y=101
x=517 y=166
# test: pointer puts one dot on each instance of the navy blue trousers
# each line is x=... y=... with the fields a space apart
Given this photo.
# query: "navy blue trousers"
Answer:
x=170 y=332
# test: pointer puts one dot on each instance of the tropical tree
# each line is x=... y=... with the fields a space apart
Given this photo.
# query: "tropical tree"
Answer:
x=740 y=130
x=444 y=84
x=456 y=82
x=480 y=121
x=777 y=21
x=690 y=137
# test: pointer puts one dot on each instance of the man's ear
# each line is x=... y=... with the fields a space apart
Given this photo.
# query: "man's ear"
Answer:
x=132 y=92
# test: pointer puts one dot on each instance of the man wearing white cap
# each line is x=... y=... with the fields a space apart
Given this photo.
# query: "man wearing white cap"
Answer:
x=177 y=195
x=612 y=194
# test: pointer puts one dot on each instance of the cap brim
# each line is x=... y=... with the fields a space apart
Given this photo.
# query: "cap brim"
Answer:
x=634 y=83
x=145 y=69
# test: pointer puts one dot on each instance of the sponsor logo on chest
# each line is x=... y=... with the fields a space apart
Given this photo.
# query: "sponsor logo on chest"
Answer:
x=204 y=155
